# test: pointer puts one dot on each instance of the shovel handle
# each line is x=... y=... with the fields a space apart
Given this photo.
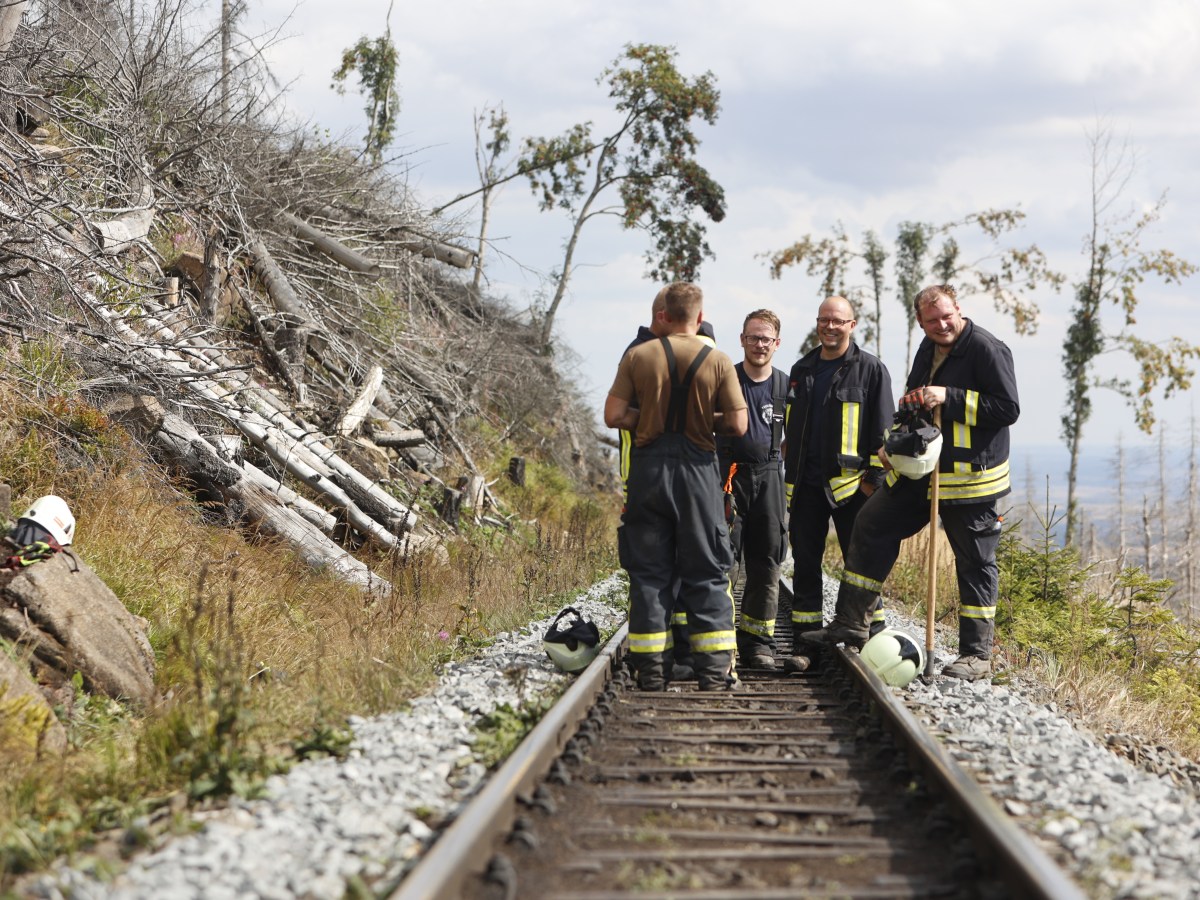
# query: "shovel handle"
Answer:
x=931 y=581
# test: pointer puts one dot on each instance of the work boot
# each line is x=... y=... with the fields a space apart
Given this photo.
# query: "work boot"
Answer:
x=969 y=668
x=836 y=633
x=648 y=671
x=761 y=660
x=794 y=665
x=714 y=671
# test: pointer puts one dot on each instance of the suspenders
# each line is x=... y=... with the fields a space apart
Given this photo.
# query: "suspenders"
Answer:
x=677 y=407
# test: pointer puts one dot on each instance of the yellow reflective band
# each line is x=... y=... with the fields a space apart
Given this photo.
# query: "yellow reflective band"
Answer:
x=977 y=612
x=761 y=627
x=806 y=618
x=962 y=435
x=788 y=488
x=679 y=618
x=861 y=581
x=654 y=642
x=878 y=616
x=965 y=484
x=891 y=477
x=849 y=428
x=713 y=641
x=623 y=465
x=844 y=485
x=962 y=430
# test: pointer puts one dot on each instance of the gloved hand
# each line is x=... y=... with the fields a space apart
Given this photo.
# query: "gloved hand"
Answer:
x=914 y=399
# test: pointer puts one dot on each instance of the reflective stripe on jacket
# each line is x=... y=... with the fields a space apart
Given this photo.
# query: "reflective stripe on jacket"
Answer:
x=857 y=409
x=981 y=403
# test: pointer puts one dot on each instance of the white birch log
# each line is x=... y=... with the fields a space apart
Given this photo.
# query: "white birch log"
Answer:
x=193 y=454
x=128 y=229
x=284 y=451
x=360 y=405
x=334 y=249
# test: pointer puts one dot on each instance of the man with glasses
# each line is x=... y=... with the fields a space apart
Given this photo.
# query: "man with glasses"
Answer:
x=839 y=403
x=753 y=471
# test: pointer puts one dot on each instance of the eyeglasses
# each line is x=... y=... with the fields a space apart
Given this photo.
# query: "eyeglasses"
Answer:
x=836 y=323
x=759 y=340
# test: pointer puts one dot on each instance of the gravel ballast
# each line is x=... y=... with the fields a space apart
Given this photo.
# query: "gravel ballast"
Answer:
x=1120 y=830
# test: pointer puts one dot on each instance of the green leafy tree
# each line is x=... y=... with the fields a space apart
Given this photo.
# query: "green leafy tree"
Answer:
x=1117 y=267
x=375 y=61
x=648 y=161
x=912 y=247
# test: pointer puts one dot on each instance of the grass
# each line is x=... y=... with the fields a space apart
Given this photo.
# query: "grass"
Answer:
x=260 y=660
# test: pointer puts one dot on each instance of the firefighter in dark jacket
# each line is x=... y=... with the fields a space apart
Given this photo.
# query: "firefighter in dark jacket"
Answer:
x=839 y=403
x=673 y=394
x=968 y=372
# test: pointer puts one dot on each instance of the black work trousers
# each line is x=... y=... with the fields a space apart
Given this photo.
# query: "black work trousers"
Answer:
x=758 y=493
x=808 y=530
x=674 y=525
x=894 y=513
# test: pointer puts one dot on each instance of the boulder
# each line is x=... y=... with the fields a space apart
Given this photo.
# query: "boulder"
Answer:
x=60 y=613
x=27 y=723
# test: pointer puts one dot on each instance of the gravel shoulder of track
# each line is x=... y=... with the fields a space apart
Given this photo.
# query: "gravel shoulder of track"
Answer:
x=1121 y=830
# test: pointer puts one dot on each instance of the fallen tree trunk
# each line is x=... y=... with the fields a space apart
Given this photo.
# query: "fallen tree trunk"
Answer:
x=196 y=457
x=128 y=229
x=361 y=405
x=332 y=248
x=285 y=451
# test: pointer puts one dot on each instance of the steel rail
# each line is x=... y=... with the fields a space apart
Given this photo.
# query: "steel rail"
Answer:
x=457 y=853
x=1018 y=859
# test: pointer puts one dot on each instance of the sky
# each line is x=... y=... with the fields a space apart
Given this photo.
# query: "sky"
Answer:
x=866 y=114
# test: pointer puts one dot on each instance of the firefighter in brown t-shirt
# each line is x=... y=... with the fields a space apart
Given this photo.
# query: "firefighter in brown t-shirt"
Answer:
x=674 y=393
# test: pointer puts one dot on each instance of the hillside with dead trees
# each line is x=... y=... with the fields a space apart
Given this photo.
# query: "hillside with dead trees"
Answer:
x=273 y=314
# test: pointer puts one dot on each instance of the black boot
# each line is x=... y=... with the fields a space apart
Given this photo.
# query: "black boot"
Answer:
x=648 y=671
x=715 y=671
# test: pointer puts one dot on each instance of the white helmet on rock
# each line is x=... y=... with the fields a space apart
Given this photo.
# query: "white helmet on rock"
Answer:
x=50 y=514
x=895 y=656
x=572 y=641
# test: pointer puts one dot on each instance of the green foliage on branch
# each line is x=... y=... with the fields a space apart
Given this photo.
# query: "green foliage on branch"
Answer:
x=376 y=62
x=1003 y=273
x=648 y=160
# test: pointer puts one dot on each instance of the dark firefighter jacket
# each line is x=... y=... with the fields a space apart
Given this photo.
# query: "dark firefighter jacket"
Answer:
x=981 y=402
x=857 y=409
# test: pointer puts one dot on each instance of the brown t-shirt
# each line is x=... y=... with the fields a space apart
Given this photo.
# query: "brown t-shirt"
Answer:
x=644 y=381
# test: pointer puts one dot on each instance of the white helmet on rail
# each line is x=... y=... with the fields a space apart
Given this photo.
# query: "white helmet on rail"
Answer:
x=913 y=446
x=47 y=515
x=895 y=656
x=572 y=641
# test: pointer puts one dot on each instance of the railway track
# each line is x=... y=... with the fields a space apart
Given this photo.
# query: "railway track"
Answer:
x=820 y=784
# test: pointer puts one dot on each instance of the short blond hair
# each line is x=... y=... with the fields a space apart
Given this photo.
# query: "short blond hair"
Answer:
x=763 y=315
x=933 y=294
x=682 y=301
